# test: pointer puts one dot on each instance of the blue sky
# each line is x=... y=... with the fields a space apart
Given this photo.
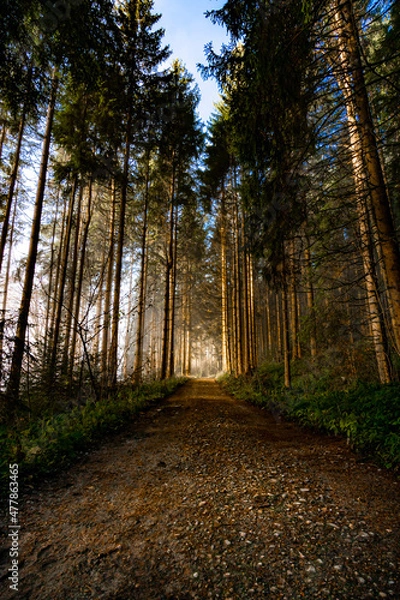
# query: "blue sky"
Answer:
x=187 y=31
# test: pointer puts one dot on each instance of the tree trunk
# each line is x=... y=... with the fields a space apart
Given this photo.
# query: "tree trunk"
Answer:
x=375 y=316
x=238 y=290
x=62 y=279
x=294 y=308
x=167 y=299
x=226 y=363
x=353 y=73
x=174 y=272
x=72 y=286
x=105 y=361
x=11 y=189
x=13 y=387
x=268 y=322
x=286 y=331
x=3 y=315
x=53 y=276
x=310 y=301
x=2 y=137
x=169 y=287
x=363 y=198
x=79 y=286
x=279 y=350
x=138 y=366
x=119 y=255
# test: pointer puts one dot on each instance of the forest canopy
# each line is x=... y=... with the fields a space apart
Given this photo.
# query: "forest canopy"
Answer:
x=138 y=242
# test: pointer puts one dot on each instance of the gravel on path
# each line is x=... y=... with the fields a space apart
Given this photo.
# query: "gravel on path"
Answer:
x=204 y=497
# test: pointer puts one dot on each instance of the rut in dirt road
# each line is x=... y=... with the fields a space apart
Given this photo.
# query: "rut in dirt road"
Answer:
x=207 y=497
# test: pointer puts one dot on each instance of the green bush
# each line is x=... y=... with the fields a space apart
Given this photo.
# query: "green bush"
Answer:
x=53 y=442
x=367 y=414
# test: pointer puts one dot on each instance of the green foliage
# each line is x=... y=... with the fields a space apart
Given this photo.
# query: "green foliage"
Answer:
x=50 y=443
x=368 y=415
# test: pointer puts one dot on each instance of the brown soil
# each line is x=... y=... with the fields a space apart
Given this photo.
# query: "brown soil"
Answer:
x=207 y=497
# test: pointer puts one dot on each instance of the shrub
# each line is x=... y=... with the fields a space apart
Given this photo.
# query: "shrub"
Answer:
x=367 y=414
x=53 y=442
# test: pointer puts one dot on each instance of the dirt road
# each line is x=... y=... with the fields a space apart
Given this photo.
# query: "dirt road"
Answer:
x=208 y=497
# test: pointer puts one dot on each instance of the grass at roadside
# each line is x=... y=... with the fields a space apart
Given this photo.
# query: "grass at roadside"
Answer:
x=48 y=444
x=367 y=414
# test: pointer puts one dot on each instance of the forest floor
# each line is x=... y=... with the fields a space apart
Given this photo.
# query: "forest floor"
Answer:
x=205 y=497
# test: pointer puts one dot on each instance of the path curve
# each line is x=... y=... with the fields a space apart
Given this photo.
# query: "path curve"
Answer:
x=205 y=497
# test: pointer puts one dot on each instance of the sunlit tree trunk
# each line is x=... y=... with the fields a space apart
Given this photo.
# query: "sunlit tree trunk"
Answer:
x=128 y=361
x=120 y=252
x=3 y=314
x=186 y=323
x=363 y=198
x=13 y=387
x=78 y=291
x=99 y=311
x=72 y=282
x=252 y=307
x=375 y=315
x=226 y=363
x=169 y=267
x=138 y=365
x=246 y=313
x=2 y=137
x=64 y=250
x=237 y=290
x=249 y=317
x=153 y=353
x=268 y=321
x=353 y=74
x=174 y=273
x=105 y=345
x=278 y=350
x=53 y=275
x=11 y=189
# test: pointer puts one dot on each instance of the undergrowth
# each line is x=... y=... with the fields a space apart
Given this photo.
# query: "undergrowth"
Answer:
x=48 y=444
x=367 y=414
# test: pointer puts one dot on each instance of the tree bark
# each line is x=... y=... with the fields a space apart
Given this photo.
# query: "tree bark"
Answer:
x=226 y=363
x=11 y=189
x=3 y=315
x=138 y=366
x=62 y=280
x=286 y=331
x=13 y=386
x=3 y=137
x=119 y=254
x=310 y=301
x=353 y=72
x=105 y=364
x=237 y=290
x=166 y=343
x=79 y=287
x=72 y=285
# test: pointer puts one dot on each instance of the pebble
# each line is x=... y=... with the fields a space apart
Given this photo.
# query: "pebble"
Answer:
x=311 y=569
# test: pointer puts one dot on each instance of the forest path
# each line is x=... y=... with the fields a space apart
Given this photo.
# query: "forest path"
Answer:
x=206 y=497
